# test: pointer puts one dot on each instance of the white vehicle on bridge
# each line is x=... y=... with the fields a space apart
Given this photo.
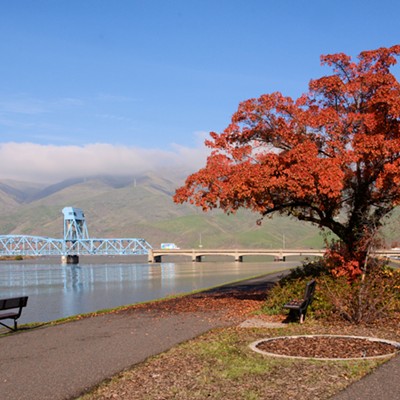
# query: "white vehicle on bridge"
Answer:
x=169 y=246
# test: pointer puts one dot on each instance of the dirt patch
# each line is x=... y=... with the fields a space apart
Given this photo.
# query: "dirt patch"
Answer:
x=327 y=347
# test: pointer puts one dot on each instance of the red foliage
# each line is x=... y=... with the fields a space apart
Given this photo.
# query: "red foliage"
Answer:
x=342 y=264
x=334 y=150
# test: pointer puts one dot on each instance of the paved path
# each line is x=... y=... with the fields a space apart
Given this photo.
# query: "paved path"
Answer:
x=60 y=362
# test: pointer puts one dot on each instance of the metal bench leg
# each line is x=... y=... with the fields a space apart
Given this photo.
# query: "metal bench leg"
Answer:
x=301 y=318
x=6 y=326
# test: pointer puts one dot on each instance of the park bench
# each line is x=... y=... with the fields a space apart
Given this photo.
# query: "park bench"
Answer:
x=298 y=308
x=16 y=304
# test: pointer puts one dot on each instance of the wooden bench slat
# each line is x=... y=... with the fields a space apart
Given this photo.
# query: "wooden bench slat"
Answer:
x=294 y=303
x=8 y=315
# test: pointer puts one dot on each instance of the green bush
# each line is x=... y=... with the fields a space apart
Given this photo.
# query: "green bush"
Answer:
x=309 y=270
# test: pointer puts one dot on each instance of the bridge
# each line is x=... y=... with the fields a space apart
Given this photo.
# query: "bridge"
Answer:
x=76 y=242
x=196 y=255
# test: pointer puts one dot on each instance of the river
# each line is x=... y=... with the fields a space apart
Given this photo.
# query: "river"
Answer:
x=58 y=291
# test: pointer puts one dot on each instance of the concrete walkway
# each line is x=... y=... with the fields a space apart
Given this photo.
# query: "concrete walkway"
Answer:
x=60 y=362
x=63 y=361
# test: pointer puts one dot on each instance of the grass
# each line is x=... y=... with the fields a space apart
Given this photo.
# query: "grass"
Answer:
x=227 y=352
x=220 y=364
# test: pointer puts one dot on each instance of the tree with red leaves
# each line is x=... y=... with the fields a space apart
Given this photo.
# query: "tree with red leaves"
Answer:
x=331 y=157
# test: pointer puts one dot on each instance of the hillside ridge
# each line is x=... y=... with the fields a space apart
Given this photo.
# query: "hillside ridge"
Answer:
x=142 y=206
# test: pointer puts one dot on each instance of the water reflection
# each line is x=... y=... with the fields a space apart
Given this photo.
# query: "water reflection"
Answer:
x=57 y=291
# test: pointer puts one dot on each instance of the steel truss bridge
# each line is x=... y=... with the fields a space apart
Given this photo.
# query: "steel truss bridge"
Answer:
x=13 y=245
x=76 y=242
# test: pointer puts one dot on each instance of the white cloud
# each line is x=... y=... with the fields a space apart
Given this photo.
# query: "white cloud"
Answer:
x=50 y=163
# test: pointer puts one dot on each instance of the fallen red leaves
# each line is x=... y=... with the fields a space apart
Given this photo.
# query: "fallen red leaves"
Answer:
x=233 y=304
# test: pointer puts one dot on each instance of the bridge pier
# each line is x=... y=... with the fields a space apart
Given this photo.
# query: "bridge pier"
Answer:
x=238 y=258
x=151 y=258
x=70 y=259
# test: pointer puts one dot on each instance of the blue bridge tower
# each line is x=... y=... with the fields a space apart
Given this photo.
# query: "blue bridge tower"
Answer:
x=75 y=227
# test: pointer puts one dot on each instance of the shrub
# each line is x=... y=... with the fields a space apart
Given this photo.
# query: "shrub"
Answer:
x=309 y=270
x=365 y=299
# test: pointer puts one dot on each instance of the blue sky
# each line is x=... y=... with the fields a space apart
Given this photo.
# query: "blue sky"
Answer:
x=148 y=79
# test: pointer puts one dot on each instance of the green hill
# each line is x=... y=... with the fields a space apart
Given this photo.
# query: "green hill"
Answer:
x=142 y=206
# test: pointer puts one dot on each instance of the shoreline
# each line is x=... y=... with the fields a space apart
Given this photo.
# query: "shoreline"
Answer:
x=59 y=291
x=250 y=285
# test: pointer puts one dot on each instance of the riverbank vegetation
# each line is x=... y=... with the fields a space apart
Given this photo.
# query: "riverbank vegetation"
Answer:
x=11 y=258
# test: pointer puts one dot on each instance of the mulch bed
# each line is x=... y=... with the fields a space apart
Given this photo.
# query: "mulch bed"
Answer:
x=327 y=347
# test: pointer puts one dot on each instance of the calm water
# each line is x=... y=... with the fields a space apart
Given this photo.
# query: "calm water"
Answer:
x=57 y=291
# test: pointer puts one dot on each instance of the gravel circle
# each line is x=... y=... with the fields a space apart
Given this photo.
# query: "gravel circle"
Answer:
x=326 y=347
